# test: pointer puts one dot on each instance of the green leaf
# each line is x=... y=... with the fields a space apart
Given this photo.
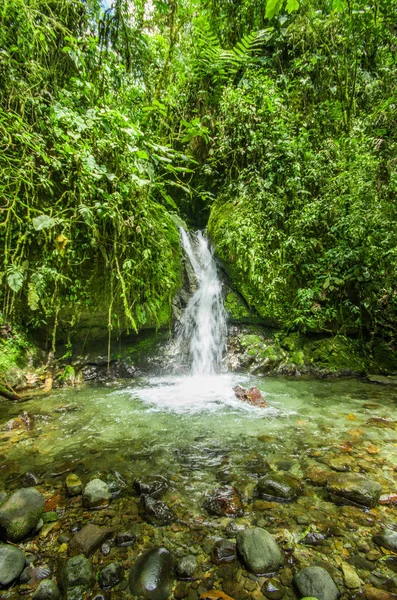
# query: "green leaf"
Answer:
x=338 y=5
x=15 y=277
x=273 y=7
x=43 y=222
x=292 y=5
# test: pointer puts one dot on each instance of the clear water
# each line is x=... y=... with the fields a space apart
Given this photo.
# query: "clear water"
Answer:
x=202 y=332
x=192 y=429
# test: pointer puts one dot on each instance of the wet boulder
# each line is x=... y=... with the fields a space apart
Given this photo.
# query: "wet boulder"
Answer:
x=151 y=577
x=224 y=501
x=76 y=576
x=156 y=512
x=12 y=562
x=125 y=539
x=151 y=486
x=96 y=494
x=186 y=567
x=252 y=396
x=20 y=513
x=353 y=488
x=224 y=551
x=89 y=539
x=47 y=590
x=111 y=575
x=259 y=551
x=279 y=487
x=387 y=539
x=316 y=582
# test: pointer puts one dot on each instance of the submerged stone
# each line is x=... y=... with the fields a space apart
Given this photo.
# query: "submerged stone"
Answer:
x=76 y=576
x=12 y=562
x=279 y=487
x=73 y=484
x=224 y=551
x=316 y=582
x=224 y=501
x=47 y=590
x=186 y=567
x=21 y=513
x=89 y=539
x=354 y=488
x=111 y=575
x=156 y=512
x=151 y=576
x=259 y=551
x=387 y=539
x=151 y=486
x=96 y=494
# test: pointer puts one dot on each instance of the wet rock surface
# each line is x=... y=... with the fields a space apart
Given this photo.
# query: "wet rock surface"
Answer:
x=259 y=551
x=279 y=487
x=354 y=542
x=76 y=576
x=355 y=488
x=20 y=513
x=12 y=562
x=47 y=590
x=224 y=501
x=89 y=539
x=96 y=494
x=156 y=512
x=151 y=577
x=316 y=582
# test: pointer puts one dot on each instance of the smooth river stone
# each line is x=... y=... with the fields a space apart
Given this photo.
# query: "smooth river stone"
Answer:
x=151 y=577
x=355 y=488
x=21 y=513
x=12 y=562
x=96 y=494
x=259 y=551
x=316 y=582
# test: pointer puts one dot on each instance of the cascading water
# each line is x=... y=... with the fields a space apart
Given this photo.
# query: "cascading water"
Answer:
x=202 y=331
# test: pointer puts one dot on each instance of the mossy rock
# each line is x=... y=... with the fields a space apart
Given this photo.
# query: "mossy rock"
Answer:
x=236 y=308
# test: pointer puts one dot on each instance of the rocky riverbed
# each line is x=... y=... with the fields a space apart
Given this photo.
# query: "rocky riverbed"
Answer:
x=250 y=503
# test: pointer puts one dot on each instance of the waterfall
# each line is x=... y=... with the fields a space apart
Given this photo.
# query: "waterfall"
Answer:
x=202 y=331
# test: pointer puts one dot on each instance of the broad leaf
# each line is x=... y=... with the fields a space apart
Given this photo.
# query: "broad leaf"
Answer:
x=273 y=7
x=43 y=222
x=15 y=277
x=292 y=5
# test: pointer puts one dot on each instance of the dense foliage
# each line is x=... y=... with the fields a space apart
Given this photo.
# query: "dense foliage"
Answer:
x=278 y=123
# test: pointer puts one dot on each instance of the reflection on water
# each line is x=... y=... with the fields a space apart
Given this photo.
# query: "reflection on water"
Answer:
x=193 y=427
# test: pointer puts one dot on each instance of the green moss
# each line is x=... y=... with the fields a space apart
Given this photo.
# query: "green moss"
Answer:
x=297 y=358
x=236 y=308
x=68 y=376
x=248 y=340
x=336 y=354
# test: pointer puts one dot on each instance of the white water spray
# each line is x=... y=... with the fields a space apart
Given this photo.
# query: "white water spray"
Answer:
x=203 y=329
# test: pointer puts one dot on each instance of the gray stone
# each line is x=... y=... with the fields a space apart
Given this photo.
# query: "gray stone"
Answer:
x=151 y=486
x=89 y=539
x=387 y=539
x=280 y=487
x=12 y=562
x=259 y=551
x=76 y=576
x=47 y=590
x=354 y=488
x=21 y=513
x=186 y=567
x=316 y=582
x=151 y=576
x=96 y=494
x=111 y=575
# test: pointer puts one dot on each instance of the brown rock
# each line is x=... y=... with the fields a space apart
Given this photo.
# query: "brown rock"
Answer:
x=88 y=539
x=372 y=593
x=253 y=396
x=224 y=501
